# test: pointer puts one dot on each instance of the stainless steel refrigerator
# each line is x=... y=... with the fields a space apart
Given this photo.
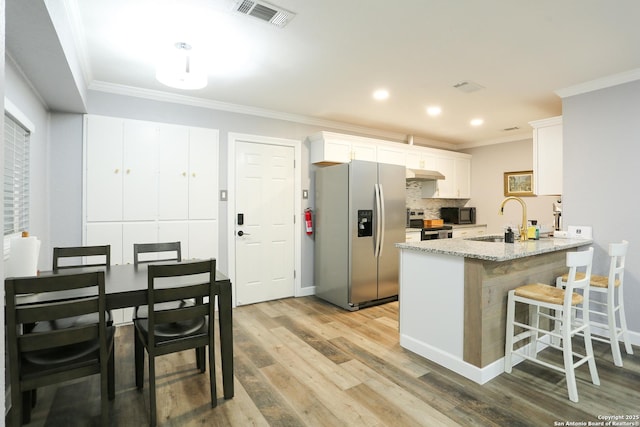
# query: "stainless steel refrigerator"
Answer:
x=360 y=215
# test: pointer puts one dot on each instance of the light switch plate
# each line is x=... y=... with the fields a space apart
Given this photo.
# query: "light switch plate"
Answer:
x=223 y=195
x=580 y=231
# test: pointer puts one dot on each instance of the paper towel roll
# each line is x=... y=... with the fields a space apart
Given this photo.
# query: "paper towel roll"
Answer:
x=23 y=257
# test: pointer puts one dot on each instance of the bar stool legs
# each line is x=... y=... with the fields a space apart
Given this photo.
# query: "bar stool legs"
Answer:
x=556 y=306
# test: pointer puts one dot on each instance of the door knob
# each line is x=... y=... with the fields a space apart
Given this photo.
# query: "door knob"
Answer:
x=242 y=233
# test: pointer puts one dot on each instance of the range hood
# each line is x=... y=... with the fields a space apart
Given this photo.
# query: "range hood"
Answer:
x=423 y=175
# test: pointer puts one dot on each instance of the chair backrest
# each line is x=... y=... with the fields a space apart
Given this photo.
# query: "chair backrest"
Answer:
x=146 y=248
x=90 y=300
x=79 y=254
x=580 y=261
x=178 y=283
x=617 y=252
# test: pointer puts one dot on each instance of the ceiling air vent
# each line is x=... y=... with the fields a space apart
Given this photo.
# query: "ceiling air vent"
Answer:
x=265 y=12
x=468 y=86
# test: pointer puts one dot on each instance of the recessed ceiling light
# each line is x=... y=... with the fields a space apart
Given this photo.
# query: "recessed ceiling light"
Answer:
x=434 y=111
x=477 y=122
x=381 y=94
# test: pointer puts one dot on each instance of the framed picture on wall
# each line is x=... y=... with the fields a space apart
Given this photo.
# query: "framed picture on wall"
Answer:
x=518 y=183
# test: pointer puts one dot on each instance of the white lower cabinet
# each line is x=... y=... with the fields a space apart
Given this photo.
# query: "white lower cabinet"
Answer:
x=413 y=236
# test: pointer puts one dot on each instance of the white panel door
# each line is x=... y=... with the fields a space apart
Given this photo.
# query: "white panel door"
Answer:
x=173 y=172
x=203 y=173
x=104 y=168
x=265 y=241
x=140 y=161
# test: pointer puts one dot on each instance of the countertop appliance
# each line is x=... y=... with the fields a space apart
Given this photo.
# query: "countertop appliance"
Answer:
x=360 y=216
x=415 y=219
x=465 y=215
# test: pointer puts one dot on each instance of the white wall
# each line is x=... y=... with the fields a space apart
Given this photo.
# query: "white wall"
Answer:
x=19 y=92
x=601 y=140
x=488 y=165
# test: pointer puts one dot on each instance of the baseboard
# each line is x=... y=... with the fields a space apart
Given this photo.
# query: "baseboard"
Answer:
x=306 y=291
x=459 y=366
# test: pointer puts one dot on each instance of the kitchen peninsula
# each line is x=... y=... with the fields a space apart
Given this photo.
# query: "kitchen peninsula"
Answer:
x=453 y=295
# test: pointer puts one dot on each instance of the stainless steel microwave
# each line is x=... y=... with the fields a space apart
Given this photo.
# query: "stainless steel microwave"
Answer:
x=458 y=215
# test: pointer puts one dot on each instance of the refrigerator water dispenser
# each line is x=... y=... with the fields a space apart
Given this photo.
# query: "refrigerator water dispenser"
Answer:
x=365 y=223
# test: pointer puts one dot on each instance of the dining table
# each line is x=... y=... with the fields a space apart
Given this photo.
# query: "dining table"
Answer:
x=126 y=285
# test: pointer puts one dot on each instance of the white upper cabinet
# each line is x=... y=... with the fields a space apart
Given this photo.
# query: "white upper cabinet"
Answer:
x=203 y=173
x=547 y=156
x=329 y=148
x=140 y=163
x=104 y=168
x=173 y=173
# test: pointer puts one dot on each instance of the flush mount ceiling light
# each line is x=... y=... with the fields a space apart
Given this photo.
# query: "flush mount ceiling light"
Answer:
x=477 y=122
x=180 y=69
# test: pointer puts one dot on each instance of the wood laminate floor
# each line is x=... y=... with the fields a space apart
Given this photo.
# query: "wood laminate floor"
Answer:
x=304 y=362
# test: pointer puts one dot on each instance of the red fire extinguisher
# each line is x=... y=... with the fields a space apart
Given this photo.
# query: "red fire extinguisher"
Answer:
x=308 y=221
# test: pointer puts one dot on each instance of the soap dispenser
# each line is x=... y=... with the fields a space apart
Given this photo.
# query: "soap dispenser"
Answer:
x=508 y=236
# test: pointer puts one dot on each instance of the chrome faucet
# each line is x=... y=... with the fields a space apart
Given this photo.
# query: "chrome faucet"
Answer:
x=523 y=228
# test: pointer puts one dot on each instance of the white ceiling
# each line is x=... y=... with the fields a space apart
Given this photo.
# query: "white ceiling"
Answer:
x=329 y=59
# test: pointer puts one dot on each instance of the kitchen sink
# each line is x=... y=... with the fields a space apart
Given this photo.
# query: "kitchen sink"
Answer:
x=498 y=239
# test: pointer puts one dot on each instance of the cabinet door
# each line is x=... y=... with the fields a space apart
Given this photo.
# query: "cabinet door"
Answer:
x=203 y=239
x=547 y=146
x=203 y=173
x=363 y=151
x=445 y=187
x=392 y=155
x=173 y=172
x=106 y=233
x=104 y=168
x=175 y=231
x=463 y=178
x=140 y=161
x=137 y=232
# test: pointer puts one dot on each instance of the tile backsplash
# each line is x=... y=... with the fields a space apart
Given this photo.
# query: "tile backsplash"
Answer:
x=431 y=206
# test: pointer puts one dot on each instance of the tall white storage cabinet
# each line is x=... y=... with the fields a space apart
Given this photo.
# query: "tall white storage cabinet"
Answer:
x=150 y=182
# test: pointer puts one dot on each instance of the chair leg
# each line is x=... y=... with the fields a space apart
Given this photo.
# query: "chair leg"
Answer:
x=534 y=321
x=104 y=392
x=613 y=329
x=111 y=373
x=200 y=359
x=152 y=392
x=212 y=375
x=567 y=353
x=22 y=411
x=593 y=370
x=623 y=326
x=508 y=346
x=138 y=360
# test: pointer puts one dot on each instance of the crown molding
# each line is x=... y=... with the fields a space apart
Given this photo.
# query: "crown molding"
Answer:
x=157 y=95
x=601 y=83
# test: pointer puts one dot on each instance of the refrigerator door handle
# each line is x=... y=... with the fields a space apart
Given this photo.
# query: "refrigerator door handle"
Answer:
x=383 y=218
x=378 y=221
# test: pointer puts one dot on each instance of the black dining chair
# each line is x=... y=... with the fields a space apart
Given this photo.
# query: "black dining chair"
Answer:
x=57 y=349
x=147 y=248
x=181 y=327
x=83 y=256
x=79 y=254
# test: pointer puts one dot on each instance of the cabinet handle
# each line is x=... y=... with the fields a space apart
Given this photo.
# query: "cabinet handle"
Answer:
x=116 y=171
x=184 y=174
x=193 y=174
x=128 y=171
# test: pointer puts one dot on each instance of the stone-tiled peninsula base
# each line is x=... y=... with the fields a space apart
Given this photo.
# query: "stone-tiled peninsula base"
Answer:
x=453 y=297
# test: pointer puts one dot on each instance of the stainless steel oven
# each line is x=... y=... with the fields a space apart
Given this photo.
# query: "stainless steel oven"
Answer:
x=444 y=232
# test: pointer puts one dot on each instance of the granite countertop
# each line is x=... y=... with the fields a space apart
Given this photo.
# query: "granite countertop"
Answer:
x=493 y=251
x=465 y=225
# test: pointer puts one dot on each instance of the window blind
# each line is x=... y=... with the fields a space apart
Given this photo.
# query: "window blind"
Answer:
x=16 y=177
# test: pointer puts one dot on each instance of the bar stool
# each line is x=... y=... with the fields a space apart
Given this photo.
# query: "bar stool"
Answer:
x=559 y=305
x=610 y=286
